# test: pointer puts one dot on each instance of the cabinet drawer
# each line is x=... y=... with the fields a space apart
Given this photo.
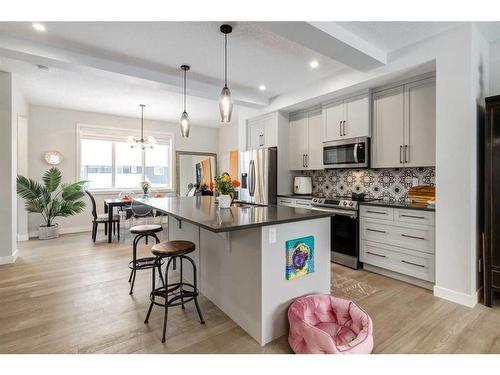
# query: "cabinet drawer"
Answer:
x=286 y=202
x=415 y=264
x=409 y=236
x=386 y=213
x=414 y=216
x=304 y=203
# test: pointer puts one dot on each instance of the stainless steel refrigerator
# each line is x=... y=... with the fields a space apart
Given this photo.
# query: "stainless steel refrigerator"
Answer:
x=258 y=178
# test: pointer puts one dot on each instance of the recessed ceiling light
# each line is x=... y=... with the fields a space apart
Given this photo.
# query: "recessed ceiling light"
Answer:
x=314 y=64
x=38 y=26
x=262 y=87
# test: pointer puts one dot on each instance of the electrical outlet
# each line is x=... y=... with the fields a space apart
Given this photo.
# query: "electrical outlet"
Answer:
x=272 y=235
x=414 y=181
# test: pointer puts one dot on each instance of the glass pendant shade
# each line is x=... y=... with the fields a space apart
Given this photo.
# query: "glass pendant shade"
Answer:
x=185 y=127
x=225 y=105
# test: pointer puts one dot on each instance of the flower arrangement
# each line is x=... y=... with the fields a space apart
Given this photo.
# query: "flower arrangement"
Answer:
x=145 y=185
x=224 y=185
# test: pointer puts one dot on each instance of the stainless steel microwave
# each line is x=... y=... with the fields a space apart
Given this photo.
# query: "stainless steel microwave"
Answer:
x=347 y=153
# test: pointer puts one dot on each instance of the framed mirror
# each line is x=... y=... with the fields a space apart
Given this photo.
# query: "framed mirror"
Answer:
x=194 y=171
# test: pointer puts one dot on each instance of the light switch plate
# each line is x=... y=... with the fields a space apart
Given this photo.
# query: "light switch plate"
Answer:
x=272 y=235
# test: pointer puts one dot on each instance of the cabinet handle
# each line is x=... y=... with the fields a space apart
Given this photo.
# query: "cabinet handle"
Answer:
x=340 y=128
x=406 y=154
x=415 y=237
x=412 y=216
x=377 y=255
x=303 y=160
x=307 y=160
x=344 y=128
x=413 y=264
x=400 y=154
x=376 y=212
x=376 y=230
x=285 y=201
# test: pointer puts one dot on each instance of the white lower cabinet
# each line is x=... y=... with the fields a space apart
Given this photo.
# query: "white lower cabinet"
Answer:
x=294 y=202
x=398 y=240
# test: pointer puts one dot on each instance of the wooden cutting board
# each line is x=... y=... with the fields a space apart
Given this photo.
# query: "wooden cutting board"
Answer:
x=422 y=194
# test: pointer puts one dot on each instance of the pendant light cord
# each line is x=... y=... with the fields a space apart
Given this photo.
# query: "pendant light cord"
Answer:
x=185 y=90
x=225 y=59
x=142 y=123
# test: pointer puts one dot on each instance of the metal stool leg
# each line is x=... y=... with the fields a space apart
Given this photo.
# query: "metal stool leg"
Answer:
x=181 y=279
x=165 y=317
x=202 y=321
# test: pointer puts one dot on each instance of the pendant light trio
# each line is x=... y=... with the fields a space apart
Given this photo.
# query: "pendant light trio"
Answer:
x=225 y=99
x=225 y=103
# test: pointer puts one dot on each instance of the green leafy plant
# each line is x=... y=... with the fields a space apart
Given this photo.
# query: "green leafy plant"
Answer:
x=145 y=185
x=49 y=201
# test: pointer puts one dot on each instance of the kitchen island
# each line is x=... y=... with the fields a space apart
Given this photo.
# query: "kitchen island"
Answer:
x=244 y=257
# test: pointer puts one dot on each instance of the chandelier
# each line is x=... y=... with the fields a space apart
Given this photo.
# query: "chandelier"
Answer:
x=148 y=142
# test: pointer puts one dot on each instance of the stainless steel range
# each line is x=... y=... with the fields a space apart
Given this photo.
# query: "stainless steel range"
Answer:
x=344 y=227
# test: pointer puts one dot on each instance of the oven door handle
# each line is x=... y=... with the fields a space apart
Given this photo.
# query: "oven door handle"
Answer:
x=355 y=151
x=337 y=212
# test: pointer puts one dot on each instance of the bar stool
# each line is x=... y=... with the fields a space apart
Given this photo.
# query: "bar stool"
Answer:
x=174 y=294
x=143 y=231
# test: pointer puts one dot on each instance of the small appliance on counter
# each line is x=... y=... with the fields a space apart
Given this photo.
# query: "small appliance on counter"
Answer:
x=302 y=185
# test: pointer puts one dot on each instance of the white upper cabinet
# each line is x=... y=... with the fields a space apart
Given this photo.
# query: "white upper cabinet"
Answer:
x=298 y=142
x=305 y=147
x=404 y=125
x=388 y=127
x=333 y=119
x=349 y=118
x=262 y=131
x=315 y=140
x=420 y=124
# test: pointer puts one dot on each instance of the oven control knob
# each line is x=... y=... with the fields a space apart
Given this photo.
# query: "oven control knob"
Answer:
x=345 y=203
x=350 y=204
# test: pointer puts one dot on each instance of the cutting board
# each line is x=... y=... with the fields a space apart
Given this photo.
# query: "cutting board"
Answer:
x=422 y=194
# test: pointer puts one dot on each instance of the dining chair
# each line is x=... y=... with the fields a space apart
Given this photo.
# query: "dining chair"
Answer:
x=102 y=219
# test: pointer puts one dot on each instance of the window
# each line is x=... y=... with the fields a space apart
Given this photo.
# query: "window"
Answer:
x=108 y=162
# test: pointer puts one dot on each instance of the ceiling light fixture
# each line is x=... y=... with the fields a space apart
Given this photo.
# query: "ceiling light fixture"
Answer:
x=225 y=100
x=142 y=142
x=314 y=64
x=262 y=87
x=185 y=126
x=38 y=27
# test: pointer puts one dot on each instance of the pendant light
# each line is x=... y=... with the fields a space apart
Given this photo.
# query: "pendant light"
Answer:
x=142 y=142
x=185 y=126
x=225 y=100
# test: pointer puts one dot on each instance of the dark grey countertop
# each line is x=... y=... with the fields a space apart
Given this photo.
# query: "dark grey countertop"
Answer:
x=204 y=212
x=399 y=204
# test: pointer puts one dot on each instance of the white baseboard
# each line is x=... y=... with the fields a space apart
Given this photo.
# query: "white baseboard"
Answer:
x=469 y=300
x=66 y=230
x=9 y=259
x=23 y=237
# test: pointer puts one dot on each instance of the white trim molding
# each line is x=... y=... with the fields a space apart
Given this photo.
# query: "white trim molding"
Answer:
x=469 y=300
x=23 y=237
x=68 y=230
x=9 y=259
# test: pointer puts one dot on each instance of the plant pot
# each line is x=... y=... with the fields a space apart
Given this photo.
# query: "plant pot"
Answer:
x=48 y=232
x=225 y=201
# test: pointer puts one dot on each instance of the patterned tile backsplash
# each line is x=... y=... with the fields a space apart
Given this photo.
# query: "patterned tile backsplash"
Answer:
x=388 y=184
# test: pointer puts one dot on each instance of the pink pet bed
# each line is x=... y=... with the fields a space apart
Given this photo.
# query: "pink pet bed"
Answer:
x=320 y=323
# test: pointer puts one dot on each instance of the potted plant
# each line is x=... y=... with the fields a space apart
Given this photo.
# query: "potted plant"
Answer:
x=51 y=200
x=225 y=187
x=145 y=186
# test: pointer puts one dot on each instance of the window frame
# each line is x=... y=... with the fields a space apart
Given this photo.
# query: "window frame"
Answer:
x=115 y=134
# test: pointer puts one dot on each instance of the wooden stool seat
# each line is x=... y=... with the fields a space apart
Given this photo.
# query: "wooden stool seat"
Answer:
x=146 y=228
x=173 y=248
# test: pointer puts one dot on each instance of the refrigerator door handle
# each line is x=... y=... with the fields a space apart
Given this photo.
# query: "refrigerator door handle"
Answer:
x=251 y=183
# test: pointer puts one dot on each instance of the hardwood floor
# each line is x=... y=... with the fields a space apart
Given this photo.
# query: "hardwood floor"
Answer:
x=71 y=296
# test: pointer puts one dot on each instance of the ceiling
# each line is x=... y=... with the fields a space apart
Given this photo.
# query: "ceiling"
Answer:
x=111 y=67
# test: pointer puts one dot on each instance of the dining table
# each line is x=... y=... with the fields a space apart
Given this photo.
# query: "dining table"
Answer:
x=109 y=205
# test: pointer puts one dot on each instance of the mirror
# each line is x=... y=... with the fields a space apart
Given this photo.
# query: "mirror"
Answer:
x=194 y=172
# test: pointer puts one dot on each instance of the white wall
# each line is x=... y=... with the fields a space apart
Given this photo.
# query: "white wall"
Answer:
x=495 y=72
x=55 y=129
x=456 y=57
